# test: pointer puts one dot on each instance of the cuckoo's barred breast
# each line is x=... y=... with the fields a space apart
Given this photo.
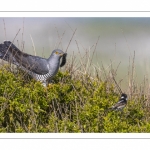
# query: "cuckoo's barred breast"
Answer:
x=39 y=68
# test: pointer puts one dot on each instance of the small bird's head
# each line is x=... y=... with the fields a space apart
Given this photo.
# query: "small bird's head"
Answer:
x=123 y=95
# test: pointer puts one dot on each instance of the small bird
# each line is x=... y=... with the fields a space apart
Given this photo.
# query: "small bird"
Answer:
x=39 y=68
x=121 y=103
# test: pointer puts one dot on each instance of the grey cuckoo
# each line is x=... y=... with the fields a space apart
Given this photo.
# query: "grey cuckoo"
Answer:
x=39 y=68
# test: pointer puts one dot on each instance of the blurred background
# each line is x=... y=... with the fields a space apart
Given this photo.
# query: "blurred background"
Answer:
x=113 y=39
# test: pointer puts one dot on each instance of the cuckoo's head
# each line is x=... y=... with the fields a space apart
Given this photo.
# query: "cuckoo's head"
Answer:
x=57 y=53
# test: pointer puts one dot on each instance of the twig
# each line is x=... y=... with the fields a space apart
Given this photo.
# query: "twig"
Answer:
x=33 y=45
x=71 y=40
x=58 y=35
x=61 y=39
x=4 y=29
x=132 y=74
x=94 y=50
x=22 y=44
x=68 y=25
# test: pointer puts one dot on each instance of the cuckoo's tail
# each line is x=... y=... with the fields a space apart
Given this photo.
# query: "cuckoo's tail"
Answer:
x=4 y=51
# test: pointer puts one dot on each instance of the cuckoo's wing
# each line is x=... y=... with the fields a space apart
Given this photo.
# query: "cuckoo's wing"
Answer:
x=33 y=63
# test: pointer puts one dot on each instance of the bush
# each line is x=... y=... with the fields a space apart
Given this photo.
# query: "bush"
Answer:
x=68 y=105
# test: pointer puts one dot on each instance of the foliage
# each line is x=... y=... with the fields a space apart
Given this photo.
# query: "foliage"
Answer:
x=66 y=105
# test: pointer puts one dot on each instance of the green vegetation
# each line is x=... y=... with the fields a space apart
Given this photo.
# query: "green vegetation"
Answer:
x=71 y=104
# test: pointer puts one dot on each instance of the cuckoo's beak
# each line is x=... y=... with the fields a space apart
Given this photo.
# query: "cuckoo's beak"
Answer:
x=63 y=54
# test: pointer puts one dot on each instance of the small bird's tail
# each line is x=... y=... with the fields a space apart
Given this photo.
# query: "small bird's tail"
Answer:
x=111 y=109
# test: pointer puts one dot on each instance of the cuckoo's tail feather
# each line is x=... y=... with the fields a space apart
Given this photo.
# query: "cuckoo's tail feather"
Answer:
x=4 y=52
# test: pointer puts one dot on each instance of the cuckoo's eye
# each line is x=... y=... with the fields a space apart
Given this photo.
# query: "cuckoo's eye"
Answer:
x=56 y=52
